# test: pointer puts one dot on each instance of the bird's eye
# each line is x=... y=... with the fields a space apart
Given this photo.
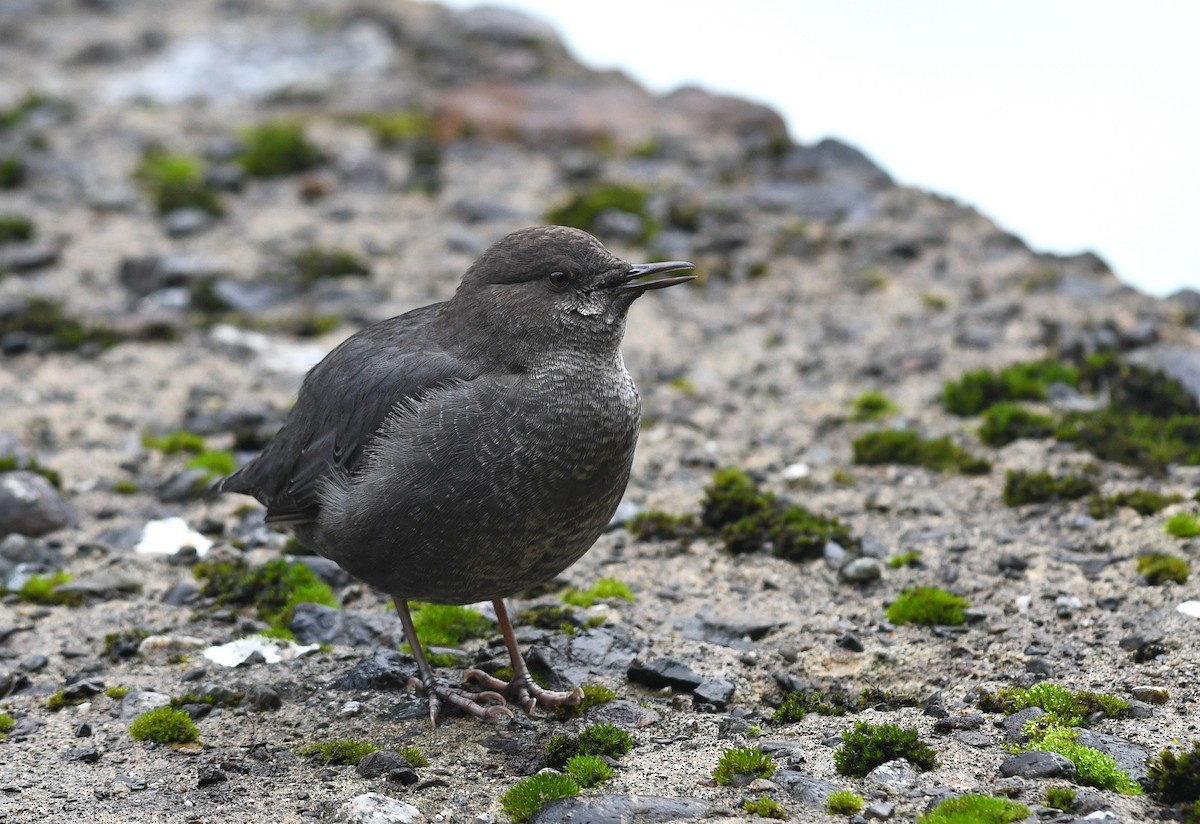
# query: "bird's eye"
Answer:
x=559 y=280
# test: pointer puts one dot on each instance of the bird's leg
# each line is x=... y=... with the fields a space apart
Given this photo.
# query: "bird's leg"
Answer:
x=487 y=706
x=522 y=689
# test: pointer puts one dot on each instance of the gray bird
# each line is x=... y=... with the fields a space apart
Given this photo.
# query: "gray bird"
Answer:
x=470 y=449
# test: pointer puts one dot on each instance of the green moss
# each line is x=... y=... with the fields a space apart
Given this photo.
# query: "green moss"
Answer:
x=656 y=525
x=1143 y=391
x=1022 y=488
x=1142 y=501
x=1175 y=778
x=1135 y=439
x=797 y=533
x=1063 y=707
x=275 y=588
x=315 y=263
x=1158 y=568
x=799 y=703
x=43 y=589
x=843 y=802
x=176 y=181
x=975 y=809
x=445 y=625
x=172 y=443
x=1004 y=423
x=1182 y=525
x=215 y=698
x=1060 y=798
x=866 y=746
x=593 y=696
x=12 y=172
x=414 y=757
x=589 y=770
x=1093 y=767
x=841 y=476
x=46 y=320
x=903 y=559
x=605 y=588
x=584 y=207
x=529 y=795
x=7 y=722
x=401 y=128
x=764 y=807
x=164 y=726
x=117 y=692
x=345 y=752
x=976 y=391
x=935 y=302
x=894 y=446
x=275 y=149
x=215 y=464
x=928 y=606
x=124 y=486
x=15 y=228
x=11 y=463
x=548 y=616
x=871 y=406
x=123 y=644
x=31 y=101
x=598 y=739
x=748 y=761
x=731 y=496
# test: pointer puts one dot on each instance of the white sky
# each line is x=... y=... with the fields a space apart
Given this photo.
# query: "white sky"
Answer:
x=1073 y=123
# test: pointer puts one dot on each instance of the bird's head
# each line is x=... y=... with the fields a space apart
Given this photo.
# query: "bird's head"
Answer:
x=555 y=286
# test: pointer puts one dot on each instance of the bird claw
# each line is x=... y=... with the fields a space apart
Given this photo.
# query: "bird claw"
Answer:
x=486 y=706
x=523 y=691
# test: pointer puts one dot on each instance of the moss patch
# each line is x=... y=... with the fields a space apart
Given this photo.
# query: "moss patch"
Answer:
x=589 y=770
x=1182 y=525
x=871 y=406
x=275 y=149
x=124 y=644
x=164 y=726
x=173 y=443
x=11 y=463
x=866 y=746
x=748 y=761
x=216 y=464
x=656 y=525
x=1022 y=488
x=1063 y=707
x=928 y=606
x=529 y=795
x=975 y=809
x=316 y=263
x=43 y=589
x=1142 y=501
x=46 y=321
x=604 y=589
x=895 y=446
x=345 y=752
x=7 y=722
x=275 y=588
x=764 y=807
x=1175 y=778
x=976 y=391
x=1004 y=423
x=176 y=181
x=12 y=172
x=445 y=625
x=843 y=802
x=584 y=207
x=1060 y=798
x=799 y=703
x=1094 y=768
x=1159 y=568
x=15 y=228
x=598 y=739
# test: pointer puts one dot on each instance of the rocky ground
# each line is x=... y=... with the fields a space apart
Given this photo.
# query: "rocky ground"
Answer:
x=821 y=279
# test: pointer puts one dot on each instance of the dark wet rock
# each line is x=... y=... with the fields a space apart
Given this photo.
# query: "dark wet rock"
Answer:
x=30 y=505
x=180 y=594
x=103 y=585
x=388 y=764
x=622 y=809
x=24 y=728
x=1013 y=724
x=83 y=731
x=35 y=663
x=184 y=222
x=1037 y=764
x=880 y=811
x=88 y=755
x=209 y=774
x=185 y=485
x=249 y=296
x=810 y=791
x=82 y=690
x=958 y=722
x=1129 y=757
x=624 y=714
x=893 y=777
x=263 y=698
x=850 y=641
x=717 y=693
x=576 y=658
x=145 y=275
x=382 y=670
x=664 y=672
x=28 y=258
x=329 y=572
x=786 y=754
x=973 y=738
x=317 y=624
x=728 y=631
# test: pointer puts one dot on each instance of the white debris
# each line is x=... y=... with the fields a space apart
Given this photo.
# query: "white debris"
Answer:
x=169 y=535
x=273 y=650
x=1191 y=608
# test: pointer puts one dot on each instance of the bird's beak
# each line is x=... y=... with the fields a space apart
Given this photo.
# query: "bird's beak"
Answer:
x=632 y=283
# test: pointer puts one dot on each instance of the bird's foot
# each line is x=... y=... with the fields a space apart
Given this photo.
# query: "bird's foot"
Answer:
x=523 y=691
x=486 y=706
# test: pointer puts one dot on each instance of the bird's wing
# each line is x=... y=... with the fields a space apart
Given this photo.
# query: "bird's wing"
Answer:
x=342 y=403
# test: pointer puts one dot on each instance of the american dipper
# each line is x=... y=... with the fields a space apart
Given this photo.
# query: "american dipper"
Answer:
x=470 y=449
